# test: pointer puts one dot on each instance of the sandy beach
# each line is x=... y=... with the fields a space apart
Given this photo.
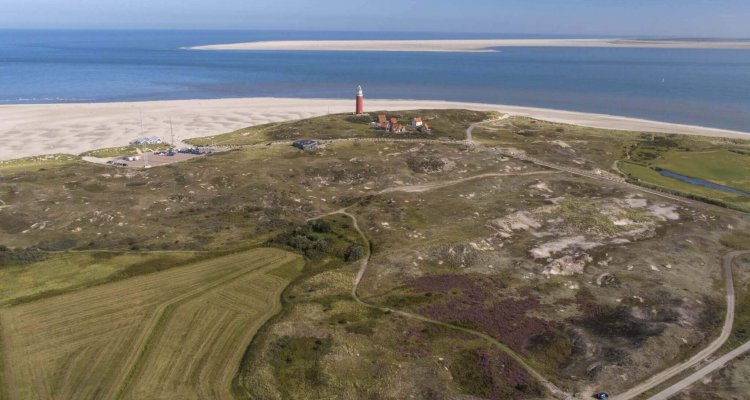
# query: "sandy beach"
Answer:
x=29 y=130
x=484 y=45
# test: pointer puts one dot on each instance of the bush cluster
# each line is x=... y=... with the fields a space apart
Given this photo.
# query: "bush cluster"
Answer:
x=13 y=257
x=425 y=165
x=354 y=252
x=309 y=244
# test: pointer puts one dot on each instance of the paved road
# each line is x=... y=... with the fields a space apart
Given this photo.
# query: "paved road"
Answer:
x=711 y=367
x=701 y=373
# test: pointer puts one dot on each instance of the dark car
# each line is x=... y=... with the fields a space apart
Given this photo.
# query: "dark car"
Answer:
x=601 y=396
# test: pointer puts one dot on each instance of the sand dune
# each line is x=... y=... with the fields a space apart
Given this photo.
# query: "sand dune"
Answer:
x=483 y=45
x=29 y=130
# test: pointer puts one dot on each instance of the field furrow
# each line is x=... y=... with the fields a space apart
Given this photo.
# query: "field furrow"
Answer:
x=190 y=363
x=143 y=337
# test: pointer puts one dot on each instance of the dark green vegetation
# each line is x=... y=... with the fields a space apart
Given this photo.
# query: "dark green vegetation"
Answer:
x=585 y=280
x=639 y=156
x=445 y=124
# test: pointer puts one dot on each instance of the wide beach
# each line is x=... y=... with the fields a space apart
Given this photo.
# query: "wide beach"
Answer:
x=29 y=130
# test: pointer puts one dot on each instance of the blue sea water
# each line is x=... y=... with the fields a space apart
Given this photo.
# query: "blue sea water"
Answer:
x=700 y=87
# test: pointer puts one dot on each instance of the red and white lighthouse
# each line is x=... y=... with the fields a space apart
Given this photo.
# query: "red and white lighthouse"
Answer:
x=360 y=101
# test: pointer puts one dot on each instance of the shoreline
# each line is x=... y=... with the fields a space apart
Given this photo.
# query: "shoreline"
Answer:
x=73 y=128
x=472 y=46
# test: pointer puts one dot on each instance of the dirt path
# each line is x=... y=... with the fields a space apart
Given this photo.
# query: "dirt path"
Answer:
x=438 y=185
x=703 y=354
x=470 y=129
x=701 y=373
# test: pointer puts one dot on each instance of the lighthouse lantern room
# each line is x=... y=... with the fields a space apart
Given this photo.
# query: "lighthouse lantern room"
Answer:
x=360 y=101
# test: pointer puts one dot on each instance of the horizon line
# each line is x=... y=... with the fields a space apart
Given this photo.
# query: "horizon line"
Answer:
x=540 y=35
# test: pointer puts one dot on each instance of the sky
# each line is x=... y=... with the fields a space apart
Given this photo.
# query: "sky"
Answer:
x=683 y=18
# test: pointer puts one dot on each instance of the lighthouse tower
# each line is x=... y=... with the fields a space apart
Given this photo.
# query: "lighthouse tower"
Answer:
x=360 y=101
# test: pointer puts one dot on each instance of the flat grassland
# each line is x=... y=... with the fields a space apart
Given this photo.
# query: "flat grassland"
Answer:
x=151 y=334
x=65 y=272
x=724 y=167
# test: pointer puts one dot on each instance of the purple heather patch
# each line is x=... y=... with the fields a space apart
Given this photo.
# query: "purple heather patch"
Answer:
x=504 y=320
x=477 y=307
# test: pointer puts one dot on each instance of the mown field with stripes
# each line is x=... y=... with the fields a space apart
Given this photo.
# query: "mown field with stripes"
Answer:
x=175 y=334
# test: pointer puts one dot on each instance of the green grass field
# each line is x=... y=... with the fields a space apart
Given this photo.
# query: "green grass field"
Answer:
x=175 y=334
x=63 y=272
x=718 y=166
x=651 y=177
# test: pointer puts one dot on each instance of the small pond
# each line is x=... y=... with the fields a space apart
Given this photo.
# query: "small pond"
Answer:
x=701 y=182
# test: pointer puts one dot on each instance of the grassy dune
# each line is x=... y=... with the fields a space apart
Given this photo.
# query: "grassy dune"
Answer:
x=444 y=124
x=105 y=341
x=36 y=162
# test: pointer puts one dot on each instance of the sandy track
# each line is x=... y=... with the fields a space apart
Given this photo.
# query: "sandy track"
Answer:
x=29 y=130
x=438 y=185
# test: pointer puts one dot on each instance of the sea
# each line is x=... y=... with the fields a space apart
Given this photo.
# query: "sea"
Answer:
x=690 y=86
